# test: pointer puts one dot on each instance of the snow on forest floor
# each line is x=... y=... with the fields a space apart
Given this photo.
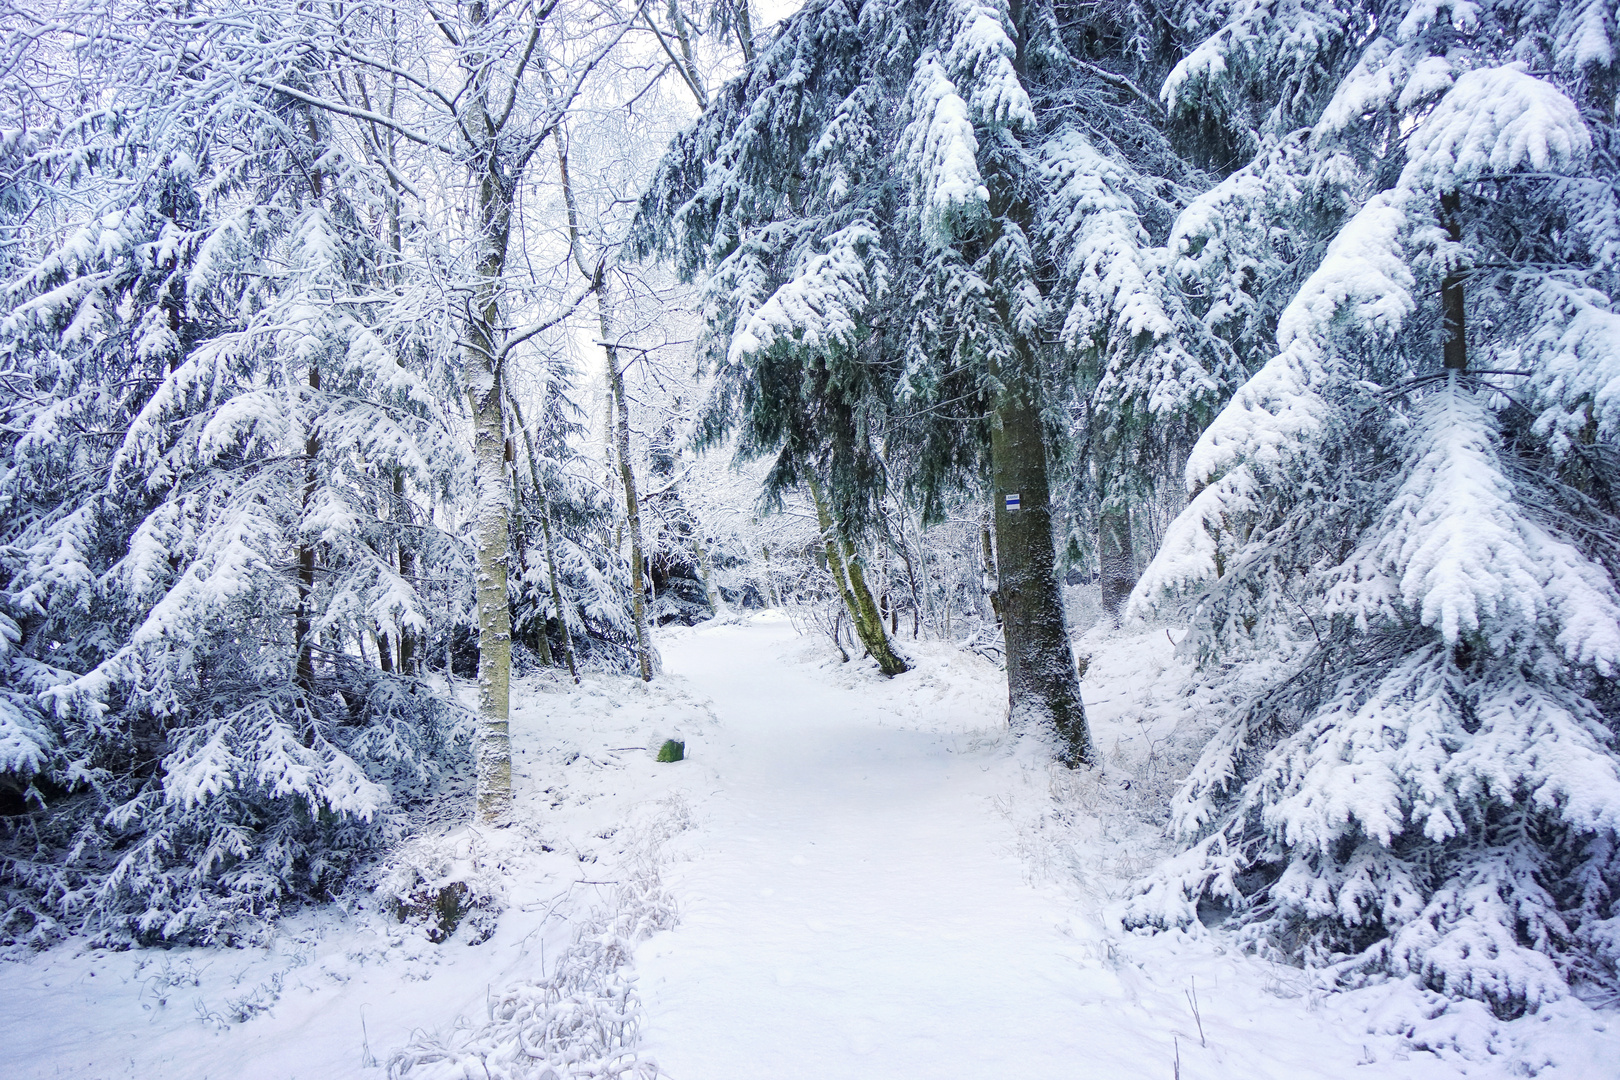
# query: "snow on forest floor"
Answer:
x=849 y=877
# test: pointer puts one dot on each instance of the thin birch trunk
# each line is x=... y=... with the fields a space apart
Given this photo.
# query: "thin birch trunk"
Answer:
x=487 y=397
x=619 y=410
x=632 y=505
x=545 y=530
x=988 y=565
x=771 y=594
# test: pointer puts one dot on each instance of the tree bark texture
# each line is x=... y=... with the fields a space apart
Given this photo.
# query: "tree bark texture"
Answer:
x=632 y=504
x=304 y=672
x=1451 y=290
x=494 y=612
x=845 y=567
x=745 y=31
x=1117 y=560
x=487 y=397
x=1043 y=687
x=989 y=565
x=711 y=589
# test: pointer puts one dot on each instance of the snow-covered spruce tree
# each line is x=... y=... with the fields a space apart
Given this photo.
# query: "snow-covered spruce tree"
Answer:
x=872 y=205
x=570 y=594
x=1401 y=553
x=203 y=451
x=1145 y=369
x=681 y=547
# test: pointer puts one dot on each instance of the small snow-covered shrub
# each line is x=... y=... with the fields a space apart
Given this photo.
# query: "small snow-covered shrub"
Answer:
x=441 y=884
x=275 y=800
x=584 y=1018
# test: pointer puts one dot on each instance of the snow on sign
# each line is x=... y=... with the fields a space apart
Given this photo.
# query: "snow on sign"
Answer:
x=1012 y=501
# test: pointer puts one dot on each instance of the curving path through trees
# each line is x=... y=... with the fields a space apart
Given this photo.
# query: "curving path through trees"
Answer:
x=854 y=908
x=851 y=911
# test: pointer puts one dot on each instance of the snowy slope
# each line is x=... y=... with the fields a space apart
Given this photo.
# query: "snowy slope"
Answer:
x=864 y=878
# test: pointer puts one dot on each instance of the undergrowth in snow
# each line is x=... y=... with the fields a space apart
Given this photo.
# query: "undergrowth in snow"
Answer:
x=550 y=907
x=907 y=874
x=583 y=1019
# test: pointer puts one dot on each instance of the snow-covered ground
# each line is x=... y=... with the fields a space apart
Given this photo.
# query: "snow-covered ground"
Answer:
x=849 y=877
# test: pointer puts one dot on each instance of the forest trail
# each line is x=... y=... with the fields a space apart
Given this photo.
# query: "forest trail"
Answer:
x=854 y=909
x=855 y=904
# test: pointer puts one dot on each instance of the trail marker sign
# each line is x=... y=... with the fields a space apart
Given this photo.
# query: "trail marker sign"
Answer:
x=1012 y=502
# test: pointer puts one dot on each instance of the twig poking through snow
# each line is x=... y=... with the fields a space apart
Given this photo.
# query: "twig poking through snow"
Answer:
x=1192 y=999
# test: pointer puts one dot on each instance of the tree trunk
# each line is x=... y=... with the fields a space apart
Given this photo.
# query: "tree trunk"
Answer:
x=771 y=596
x=1043 y=687
x=407 y=570
x=903 y=549
x=1451 y=290
x=545 y=530
x=494 y=612
x=745 y=31
x=492 y=533
x=717 y=603
x=542 y=642
x=539 y=642
x=1117 y=560
x=847 y=574
x=481 y=123
x=557 y=600
x=618 y=434
x=632 y=504
x=988 y=565
x=304 y=672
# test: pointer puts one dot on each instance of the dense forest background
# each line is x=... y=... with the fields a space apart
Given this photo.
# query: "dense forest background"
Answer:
x=349 y=349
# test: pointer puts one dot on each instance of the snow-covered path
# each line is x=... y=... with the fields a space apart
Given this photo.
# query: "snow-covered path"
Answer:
x=854 y=906
x=853 y=902
x=850 y=914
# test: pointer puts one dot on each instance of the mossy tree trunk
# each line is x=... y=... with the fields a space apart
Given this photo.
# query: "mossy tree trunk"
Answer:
x=845 y=566
x=1043 y=687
